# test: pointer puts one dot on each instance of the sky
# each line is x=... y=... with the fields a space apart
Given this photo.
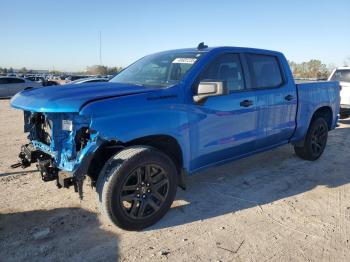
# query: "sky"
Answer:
x=64 y=34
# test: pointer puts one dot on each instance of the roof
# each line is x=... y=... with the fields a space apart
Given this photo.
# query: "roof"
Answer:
x=343 y=67
x=223 y=48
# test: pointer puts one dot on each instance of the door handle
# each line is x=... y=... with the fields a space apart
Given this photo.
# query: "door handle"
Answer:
x=289 y=97
x=246 y=103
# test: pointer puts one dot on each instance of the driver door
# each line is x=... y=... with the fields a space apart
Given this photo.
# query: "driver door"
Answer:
x=225 y=127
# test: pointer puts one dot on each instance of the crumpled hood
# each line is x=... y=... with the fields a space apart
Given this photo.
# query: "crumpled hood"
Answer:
x=71 y=98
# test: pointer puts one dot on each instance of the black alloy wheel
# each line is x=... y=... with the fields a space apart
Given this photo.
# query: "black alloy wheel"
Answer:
x=318 y=139
x=137 y=186
x=315 y=140
x=144 y=191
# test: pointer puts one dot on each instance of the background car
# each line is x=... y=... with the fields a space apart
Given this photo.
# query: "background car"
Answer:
x=72 y=78
x=89 y=80
x=9 y=86
x=35 y=78
x=342 y=74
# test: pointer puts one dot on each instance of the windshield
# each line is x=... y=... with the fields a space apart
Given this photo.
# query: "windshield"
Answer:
x=342 y=75
x=162 y=69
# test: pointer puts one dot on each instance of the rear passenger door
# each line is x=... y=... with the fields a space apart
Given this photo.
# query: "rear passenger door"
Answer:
x=276 y=99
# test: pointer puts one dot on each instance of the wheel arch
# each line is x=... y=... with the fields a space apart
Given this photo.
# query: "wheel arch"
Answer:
x=326 y=112
x=164 y=143
x=304 y=123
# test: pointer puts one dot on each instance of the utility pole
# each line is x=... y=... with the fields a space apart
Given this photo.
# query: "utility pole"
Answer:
x=100 y=48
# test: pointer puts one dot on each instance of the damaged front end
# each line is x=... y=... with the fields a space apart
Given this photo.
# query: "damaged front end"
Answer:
x=61 y=145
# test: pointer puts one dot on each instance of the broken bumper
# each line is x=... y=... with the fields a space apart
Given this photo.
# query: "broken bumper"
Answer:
x=45 y=164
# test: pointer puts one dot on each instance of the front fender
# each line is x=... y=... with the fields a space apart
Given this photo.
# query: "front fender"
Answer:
x=136 y=116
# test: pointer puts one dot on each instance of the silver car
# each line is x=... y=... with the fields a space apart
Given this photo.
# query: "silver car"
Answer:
x=89 y=80
x=9 y=85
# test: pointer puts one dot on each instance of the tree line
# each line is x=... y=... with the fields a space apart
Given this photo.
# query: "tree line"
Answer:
x=314 y=68
x=102 y=70
x=6 y=70
x=90 y=70
x=311 y=69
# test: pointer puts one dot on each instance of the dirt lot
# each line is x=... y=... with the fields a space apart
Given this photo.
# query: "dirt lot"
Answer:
x=270 y=207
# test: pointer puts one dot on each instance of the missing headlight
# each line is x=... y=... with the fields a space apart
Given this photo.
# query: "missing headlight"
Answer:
x=40 y=128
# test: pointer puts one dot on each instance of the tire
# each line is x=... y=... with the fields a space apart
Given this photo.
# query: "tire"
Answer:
x=136 y=187
x=315 y=140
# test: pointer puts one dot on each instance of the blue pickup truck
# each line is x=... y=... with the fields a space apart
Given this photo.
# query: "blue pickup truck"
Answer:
x=169 y=115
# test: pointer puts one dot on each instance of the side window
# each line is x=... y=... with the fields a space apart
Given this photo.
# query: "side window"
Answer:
x=226 y=68
x=16 y=81
x=265 y=71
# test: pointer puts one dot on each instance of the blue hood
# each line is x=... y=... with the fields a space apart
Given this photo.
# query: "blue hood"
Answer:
x=71 y=98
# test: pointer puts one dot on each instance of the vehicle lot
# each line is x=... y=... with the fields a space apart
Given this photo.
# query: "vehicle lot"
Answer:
x=269 y=207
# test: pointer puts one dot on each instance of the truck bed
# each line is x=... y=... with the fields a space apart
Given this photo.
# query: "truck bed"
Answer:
x=313 y=95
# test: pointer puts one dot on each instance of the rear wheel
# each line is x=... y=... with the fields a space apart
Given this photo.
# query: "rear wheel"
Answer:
x=315 y=140
x=136 y=187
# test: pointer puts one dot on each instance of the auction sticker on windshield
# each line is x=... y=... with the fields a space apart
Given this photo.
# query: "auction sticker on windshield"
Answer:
x=180 y=60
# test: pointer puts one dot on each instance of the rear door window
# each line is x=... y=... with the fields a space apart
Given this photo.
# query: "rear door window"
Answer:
x=265 y=71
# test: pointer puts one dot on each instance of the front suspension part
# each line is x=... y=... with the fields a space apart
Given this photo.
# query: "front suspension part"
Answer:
x=47 y=170
x=27 y=156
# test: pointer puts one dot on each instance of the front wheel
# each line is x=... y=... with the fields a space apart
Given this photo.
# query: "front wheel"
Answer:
x=315 y=140
x=136 y=187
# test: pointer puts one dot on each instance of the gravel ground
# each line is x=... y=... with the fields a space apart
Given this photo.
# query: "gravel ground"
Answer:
x=269 y=207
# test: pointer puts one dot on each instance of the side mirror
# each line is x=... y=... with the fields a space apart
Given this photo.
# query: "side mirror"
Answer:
x=210 y=88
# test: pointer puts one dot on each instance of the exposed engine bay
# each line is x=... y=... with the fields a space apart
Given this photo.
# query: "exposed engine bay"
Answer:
x=57 y=144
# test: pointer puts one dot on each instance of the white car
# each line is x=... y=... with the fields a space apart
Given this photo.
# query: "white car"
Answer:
x=89 y=80
x=342 y=74
x=9 y=85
